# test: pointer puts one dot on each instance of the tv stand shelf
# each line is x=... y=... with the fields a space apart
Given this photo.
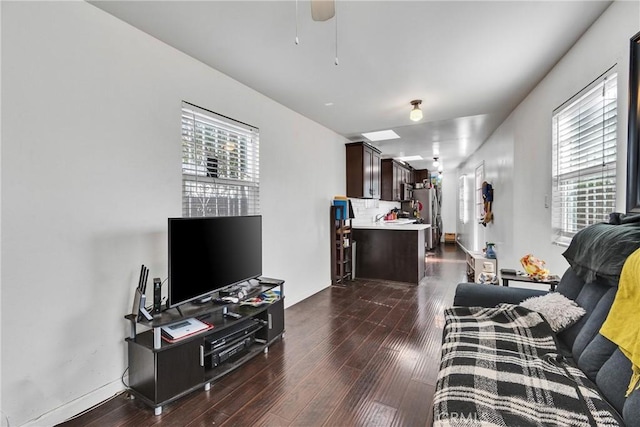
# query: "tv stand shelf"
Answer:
x=161 y=372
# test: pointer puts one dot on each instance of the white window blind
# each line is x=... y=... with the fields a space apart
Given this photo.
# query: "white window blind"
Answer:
x=220 y=165
x=584 y=159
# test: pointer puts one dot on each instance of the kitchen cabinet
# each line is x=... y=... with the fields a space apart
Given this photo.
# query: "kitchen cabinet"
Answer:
x=395 y=253
x=394 y=175
x=408 y=175
x=397 y=180
x=420 y=175
x=363 y=170
x=389 y=173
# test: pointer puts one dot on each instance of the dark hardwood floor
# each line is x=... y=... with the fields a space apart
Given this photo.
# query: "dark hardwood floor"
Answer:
x=362 y=355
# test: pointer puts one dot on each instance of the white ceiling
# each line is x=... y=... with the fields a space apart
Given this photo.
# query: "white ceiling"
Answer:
x=471 y=62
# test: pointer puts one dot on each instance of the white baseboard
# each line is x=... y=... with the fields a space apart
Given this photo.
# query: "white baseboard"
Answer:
x=77 y=406
x=462 y=247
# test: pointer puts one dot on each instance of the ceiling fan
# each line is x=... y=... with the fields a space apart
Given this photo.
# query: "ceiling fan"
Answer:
x=322 y=10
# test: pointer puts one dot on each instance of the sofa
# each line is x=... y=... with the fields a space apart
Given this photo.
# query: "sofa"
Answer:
x=502 y=364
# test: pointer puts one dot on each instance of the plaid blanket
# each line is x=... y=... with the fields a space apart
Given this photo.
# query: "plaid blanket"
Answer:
x=500 y=367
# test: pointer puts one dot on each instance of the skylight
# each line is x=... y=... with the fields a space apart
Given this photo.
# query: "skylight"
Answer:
x=381 y=135
x=409 y=158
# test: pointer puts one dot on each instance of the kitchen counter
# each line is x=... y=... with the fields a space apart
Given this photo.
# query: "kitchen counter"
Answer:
x=390 y=251
x=387 y=225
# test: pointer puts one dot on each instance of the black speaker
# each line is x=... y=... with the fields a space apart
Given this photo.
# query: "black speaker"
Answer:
x=157 y=295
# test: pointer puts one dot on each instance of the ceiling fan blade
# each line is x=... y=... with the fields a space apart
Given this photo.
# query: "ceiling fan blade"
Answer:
x=321 y=10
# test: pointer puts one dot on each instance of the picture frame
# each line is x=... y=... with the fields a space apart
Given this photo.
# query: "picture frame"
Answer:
x=633 y=144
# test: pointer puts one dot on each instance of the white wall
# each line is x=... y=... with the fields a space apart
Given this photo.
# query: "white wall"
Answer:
x=91 y=169
x=518 y=155
x=497 y=155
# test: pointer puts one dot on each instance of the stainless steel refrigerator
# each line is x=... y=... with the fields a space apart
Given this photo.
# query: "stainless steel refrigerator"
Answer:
x=430 y=200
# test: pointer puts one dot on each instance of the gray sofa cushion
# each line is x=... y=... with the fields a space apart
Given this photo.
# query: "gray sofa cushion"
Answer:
x=594 y=322
x=588 y=299
x=475 y=295
x=631 y=410
x=613 y=379
x=570 y=285
x=595 y=355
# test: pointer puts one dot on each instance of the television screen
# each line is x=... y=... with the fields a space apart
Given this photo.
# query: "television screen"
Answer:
x=210 y=253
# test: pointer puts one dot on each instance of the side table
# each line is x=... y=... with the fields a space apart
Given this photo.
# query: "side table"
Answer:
x=506 y=277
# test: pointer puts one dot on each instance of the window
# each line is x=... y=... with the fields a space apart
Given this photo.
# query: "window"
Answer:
x=462 y=199
x=220 y=165
x=479 y=208
x=584 y=159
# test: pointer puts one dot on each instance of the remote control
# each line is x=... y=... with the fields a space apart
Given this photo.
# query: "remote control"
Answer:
x=232 y=314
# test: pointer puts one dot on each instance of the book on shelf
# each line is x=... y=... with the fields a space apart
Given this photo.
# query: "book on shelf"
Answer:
x=266 y=297
x=184 y=328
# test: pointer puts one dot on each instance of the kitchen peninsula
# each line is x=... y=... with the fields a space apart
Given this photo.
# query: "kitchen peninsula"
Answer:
x=389 y=250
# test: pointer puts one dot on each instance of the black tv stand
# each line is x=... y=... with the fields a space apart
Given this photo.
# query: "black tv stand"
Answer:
x=161 y=372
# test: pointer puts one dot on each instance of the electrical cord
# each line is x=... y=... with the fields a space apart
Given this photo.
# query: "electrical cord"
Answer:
x=122 y=378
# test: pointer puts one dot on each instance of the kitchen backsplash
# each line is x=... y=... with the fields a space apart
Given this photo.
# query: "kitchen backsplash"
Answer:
x=365 y=210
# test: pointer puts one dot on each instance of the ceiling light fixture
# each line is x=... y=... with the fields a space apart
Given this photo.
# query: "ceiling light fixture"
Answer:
x=416 y=113
x=323 y=10
x=436 y=163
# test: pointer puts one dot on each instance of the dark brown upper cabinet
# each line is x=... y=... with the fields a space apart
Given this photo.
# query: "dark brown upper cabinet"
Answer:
x=363 y=171
x=394 y=174
x=419 y=175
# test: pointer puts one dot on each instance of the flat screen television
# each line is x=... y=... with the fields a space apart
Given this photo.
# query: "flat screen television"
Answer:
x=209 y=253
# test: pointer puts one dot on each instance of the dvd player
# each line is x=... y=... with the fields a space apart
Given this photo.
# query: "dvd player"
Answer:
x=231 y=341
x=233 y=333
x=228 y=351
